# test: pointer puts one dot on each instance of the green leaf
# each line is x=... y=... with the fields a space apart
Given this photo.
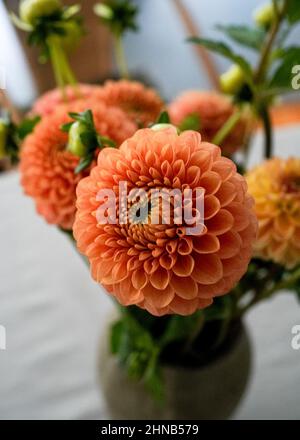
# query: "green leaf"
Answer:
x=283 y=75
x=84 y=163
x=66 y=127
x=89 y=140
x=117 y=330
x=163 y=118
x=180 y=327
x=224 y=50
x=220 y=309
x=190 y=122
x=244 y=35
x=86 y=117
x=153 y=378
x=293 y=11
x=19 y=23
x=27 y=126
x=106 y=141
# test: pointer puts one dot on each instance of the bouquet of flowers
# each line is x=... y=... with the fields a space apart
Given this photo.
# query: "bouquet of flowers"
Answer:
x=157 y=196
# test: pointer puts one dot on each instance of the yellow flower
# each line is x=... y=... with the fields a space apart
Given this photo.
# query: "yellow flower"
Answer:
x=275 y=186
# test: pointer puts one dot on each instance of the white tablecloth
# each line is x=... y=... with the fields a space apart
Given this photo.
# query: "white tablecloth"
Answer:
x=54 y=317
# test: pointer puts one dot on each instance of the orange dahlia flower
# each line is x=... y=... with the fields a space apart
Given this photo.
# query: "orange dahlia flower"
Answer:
x=160 y=267
x=214 y=110
x=47 y=168
x=275 y=186
x=48 y=102
x=141 y=103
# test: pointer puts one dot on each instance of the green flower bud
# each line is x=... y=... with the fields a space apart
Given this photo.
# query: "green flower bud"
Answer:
x=232 y=80
x=75 y=144
x=32 y=10
x=103 y=11
x=158 y=127
x=264 y=15
x=3 y=139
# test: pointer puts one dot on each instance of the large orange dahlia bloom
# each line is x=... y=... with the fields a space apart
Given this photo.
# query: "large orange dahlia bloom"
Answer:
x=213 y=110
x=160 y=267
x=47 y=168
x=275 y=186
x=143 y=104
x=48 y=102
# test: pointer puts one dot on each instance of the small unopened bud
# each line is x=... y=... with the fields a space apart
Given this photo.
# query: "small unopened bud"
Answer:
x=232 y=80
x=158 y=127
x=264 y=15
x=32 y=10
x=103 y=11
x=3 y=139
x=75 y=144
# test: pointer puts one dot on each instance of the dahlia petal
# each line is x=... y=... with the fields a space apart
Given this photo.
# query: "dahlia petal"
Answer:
x=185 y=246
x=208 y=269
x=167 y=261
x=139 y=279
x=184 y=307
x=158 y=298
x=283 y=226
x=226 y=194
x=224 y=167
x=230 y=244
x=210 y=181
x=206 y=244
x=185 y=287
x=184 y=265
x=160 y=278
x=222 y=222
x=211 y=206
x=240 y=215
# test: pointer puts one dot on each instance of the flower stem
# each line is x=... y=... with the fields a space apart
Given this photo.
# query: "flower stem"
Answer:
x=56 y=67
x=267 y=49
x=226 y=129
x=268 y=292
x=61 y=67
x=267 y=124
x=120 y=57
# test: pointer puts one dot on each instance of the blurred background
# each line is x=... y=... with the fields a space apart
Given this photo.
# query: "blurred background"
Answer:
x=53 y=313
x=158 y=51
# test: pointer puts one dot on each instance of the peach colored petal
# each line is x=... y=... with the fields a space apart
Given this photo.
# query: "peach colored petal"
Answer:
x=208 y=269
x=185 y=287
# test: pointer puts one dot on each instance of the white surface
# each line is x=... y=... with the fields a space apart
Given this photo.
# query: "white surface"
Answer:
x=54 y=316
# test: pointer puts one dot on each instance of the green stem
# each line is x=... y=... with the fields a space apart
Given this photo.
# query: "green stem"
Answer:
x=61 y=67
x=194 y=334
x=56 y=67
x=120 y=57
x=268 y=292
x=267 y=49
x=267 y=124
x=226 y=129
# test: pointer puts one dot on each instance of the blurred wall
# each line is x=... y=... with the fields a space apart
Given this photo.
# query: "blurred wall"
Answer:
x=160 y=50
